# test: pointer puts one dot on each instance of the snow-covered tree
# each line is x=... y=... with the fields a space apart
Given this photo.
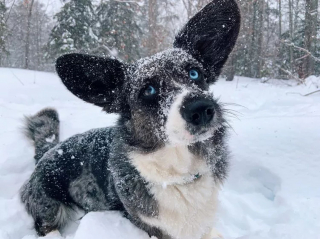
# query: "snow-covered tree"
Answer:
x=73 y=31
x=17 y=32
x=118 y=30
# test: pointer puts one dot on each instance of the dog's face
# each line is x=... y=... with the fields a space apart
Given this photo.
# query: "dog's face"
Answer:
x=164 y=98
x=168 y=98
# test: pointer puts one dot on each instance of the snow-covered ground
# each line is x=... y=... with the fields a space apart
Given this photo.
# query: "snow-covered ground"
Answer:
x=273 y=190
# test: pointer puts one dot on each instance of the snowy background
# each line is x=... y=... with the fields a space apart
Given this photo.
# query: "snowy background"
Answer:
x=278 y=39
x=273 y=190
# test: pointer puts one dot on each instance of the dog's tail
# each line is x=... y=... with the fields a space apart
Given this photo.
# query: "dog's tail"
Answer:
x=43 y=130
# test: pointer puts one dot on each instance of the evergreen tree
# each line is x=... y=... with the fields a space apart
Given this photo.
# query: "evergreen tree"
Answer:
x=74 y=29
x=118 y=30
x=3 y=31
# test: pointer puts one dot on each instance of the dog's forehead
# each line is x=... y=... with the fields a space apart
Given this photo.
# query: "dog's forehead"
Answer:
x=167 y=61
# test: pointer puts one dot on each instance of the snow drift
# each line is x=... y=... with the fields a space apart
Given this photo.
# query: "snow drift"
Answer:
x=273 y=186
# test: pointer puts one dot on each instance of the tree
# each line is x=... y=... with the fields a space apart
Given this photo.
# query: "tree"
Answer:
x=153 y=25
x=161 y=24
x=29 y=5
x=193 y=6
x=73 y=31
x=310 y=36
x=118 y=30
x=291 y=33
x=280 y=18
x=3 y=31
x=260 y=52
x=248 y=58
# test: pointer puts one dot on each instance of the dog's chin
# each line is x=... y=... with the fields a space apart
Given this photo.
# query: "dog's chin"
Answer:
x=185 y=137
x=204 y=135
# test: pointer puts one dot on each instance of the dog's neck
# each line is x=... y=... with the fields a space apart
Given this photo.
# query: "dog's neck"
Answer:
x=138 y=141
x=183 y=181
x=169 y=165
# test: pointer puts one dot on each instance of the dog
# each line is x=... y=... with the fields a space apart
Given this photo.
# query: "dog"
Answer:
x=163 y=163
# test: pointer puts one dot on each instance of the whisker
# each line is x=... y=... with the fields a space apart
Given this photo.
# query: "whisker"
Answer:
x=233 y=104
x=229 y=126
x=232 y=115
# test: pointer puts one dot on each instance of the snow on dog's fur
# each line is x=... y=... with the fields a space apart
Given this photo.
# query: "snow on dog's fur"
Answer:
x=164 y=161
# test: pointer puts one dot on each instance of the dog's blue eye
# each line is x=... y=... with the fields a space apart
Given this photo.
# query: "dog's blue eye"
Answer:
x=150 y=91
x=194 y=74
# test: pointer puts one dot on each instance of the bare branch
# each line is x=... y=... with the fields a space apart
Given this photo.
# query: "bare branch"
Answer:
x=296 y=93
x=138 y=2
x=305 y=56
x=301 y=49
x=289 y=73
x=17 y=77
x=312 y=93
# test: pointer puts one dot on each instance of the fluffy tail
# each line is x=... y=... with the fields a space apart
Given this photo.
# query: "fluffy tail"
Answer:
x=43 y=130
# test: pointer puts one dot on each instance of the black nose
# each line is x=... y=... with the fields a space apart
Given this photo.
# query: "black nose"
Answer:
x=199 y=112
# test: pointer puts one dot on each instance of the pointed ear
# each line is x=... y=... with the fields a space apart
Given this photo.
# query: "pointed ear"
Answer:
x=93 y=79
x=211 y=35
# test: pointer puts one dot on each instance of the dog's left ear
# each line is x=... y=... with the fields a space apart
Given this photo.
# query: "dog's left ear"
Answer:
x=211 y=35
x=94 y=79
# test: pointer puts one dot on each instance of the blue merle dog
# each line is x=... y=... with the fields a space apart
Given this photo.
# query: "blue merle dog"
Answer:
x=164 y=161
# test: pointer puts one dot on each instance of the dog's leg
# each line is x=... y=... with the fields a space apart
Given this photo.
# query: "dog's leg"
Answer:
x=48 y=214
x=213 y=234
x=52 y=221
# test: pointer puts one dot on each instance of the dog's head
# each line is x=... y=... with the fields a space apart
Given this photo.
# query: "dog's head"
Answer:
x=163 y=99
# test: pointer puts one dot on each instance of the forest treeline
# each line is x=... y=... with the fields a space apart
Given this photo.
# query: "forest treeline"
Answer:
x=279 y=38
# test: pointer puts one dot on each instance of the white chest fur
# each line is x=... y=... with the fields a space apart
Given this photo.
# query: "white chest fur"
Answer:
x=186 y=209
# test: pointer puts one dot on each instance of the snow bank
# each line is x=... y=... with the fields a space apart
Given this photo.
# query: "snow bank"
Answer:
x=273 y=187
x=313 y=83
x=108 y=225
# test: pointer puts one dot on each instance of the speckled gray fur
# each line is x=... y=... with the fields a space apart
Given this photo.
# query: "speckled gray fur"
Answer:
x=93 y=170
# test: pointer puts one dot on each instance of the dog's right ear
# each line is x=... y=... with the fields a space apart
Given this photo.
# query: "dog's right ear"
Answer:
x=211 y=34
x=93 y=79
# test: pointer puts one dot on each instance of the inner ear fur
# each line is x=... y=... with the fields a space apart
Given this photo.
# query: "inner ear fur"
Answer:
x=211 y=35
x=93 y=79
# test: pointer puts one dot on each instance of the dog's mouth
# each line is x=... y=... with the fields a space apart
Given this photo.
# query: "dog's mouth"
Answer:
x=191 y=135
x=203 y=133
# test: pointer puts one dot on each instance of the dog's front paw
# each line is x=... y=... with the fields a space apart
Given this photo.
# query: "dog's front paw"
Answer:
x=214 y=234
x=53 y=235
